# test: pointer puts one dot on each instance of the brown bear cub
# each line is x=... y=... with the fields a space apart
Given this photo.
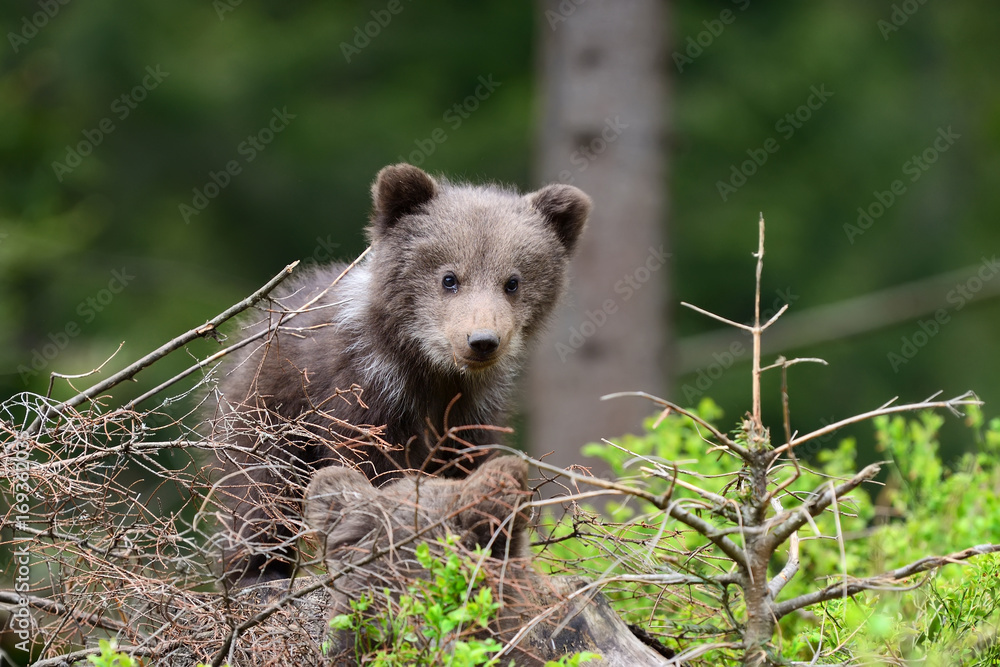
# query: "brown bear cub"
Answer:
x=392 y=367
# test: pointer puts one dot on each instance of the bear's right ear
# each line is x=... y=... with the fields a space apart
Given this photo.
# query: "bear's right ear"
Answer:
x=565 y=209
x=399 y=189
x=331 y=494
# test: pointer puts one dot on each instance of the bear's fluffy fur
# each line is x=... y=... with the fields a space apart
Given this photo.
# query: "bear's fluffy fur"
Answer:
x=389 y=369
x=353 y=518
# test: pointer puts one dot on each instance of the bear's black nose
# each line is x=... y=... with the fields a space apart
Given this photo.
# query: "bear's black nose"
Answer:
x=484 y=342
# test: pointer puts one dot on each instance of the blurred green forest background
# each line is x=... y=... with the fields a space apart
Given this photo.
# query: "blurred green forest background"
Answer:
x=96 y=249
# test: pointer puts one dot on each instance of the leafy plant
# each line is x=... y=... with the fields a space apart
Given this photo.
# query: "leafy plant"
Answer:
x=574 y=660
x=431 y=624
x=110 y=656
x=954 y=618
x=925 y=507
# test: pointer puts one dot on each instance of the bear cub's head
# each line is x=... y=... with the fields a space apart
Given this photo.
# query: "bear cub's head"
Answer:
x=468 y=273
x=353 y=518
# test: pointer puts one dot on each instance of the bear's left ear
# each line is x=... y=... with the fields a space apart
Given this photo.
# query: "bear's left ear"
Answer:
x=399 y=189
x=565 y=209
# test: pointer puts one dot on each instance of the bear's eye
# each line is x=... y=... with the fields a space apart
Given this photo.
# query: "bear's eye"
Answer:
x=512 y=284
x=450 y=282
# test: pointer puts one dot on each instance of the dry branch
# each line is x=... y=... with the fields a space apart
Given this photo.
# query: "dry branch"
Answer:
x=818 y=501
x=58 y=609
x=880 y=581
x=952 y=405
x=209 y=328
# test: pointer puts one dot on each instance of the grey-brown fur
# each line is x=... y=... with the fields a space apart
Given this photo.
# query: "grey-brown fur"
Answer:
x=406 y=344
x=353 y=518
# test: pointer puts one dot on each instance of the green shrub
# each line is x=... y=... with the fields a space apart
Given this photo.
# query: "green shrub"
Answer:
x=428 y=626
x=925 y=508
x=110 y=656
